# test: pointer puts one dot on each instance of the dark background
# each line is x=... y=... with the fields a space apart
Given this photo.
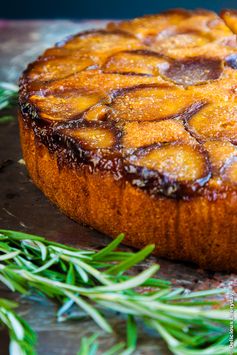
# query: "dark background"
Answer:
x=86 y=9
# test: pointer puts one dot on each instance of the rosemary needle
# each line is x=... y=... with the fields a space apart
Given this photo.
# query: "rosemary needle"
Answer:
x=8 y=99
x=22 y=337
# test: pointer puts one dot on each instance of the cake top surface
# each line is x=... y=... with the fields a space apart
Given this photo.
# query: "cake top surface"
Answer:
x=152 y=100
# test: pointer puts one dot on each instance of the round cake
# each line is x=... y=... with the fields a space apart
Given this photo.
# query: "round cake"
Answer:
x=133 y=129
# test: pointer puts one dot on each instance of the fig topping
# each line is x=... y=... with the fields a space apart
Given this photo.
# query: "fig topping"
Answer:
x=140 y=134
x=180 y=162
x=137 y=62
x=149 y=103
x=215 y=121
x=93 y=138
x=229 y=171
x=65 y=106
x=219 y=153
x=194 y=71
x=152 y=100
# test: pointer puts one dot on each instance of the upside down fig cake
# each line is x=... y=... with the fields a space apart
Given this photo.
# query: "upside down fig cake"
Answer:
x=133 y=128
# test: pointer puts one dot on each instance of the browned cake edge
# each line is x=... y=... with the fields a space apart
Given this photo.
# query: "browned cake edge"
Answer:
x=198 y=230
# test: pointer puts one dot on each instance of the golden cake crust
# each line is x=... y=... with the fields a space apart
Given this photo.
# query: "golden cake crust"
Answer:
x=133 y=129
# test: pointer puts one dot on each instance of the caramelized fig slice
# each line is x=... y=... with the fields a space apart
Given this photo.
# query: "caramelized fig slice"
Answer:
x=135 y=62
x=95 y=80
x=219 y=153
x=140 y=134
x=195 y=31
x=64 y=107
x=150 y=26
x=92 y=137
x=215 y=121
x=217 y=49
x=57 y=68
x=230 y=18
x=180 y=162
x=98 y=45
x=229 y=171
x=181 y=40
x=96 y=113
x=208 y=23
x=60 y=52
x=194 y=71
x=146 y=103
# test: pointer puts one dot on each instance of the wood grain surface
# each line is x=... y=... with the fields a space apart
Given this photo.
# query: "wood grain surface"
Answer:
x=23 y=207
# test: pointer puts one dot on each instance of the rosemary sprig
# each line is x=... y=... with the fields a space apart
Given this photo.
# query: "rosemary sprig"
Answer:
x=89 y=346
x=97 y=282
x=22 y=337
x=8 y=98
